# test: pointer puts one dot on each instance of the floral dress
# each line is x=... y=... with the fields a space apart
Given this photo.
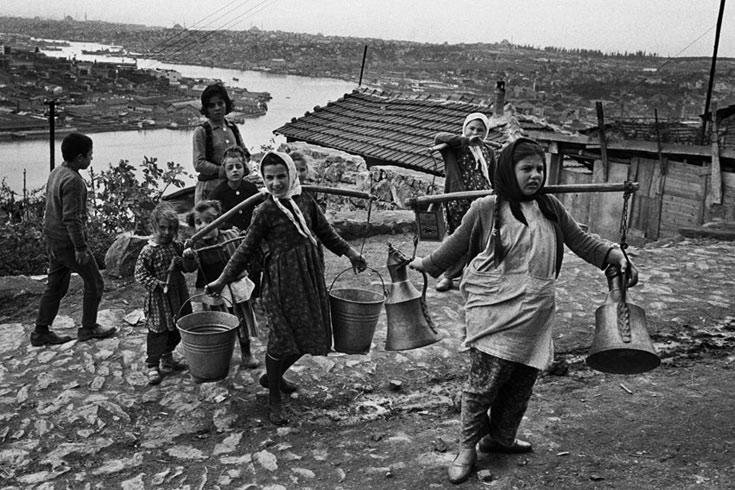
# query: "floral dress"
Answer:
x=294 y=294
x=151 y=270
x=472 y=179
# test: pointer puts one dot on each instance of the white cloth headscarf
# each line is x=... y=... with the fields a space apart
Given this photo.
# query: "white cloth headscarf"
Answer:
x=294 y=189
x=476 y=151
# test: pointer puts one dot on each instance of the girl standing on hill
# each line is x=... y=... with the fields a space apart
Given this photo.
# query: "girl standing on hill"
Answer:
x=515 y=241
x=293 y=290
x=469 y=164
x=212 y=138
x=159 y=269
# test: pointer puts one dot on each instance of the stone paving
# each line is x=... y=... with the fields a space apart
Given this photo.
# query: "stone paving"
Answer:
x=81 y=415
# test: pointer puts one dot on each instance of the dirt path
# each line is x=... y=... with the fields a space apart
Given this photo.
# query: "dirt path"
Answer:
x=82 y=416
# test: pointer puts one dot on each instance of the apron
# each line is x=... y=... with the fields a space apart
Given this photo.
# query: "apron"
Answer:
x=510 y=309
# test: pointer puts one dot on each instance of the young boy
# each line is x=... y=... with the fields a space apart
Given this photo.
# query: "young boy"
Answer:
x=235 y=190
x=65 y=228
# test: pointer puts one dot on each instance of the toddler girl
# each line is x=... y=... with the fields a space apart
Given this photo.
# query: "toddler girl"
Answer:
x=159 y=269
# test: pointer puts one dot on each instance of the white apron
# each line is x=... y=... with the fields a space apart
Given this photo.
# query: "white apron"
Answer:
x=509 y=310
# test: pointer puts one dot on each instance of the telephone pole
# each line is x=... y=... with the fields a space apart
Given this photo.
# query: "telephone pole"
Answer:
x=51 y=103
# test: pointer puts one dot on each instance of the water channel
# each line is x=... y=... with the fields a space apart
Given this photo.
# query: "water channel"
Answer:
x=292 y=97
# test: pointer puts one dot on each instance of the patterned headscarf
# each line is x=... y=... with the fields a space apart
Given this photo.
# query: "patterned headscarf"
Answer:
x=294 y=189
x=476 y=151
x=507 y=189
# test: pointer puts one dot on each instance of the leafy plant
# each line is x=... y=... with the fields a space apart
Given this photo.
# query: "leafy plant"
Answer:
x=124 y=201
x=121 y=199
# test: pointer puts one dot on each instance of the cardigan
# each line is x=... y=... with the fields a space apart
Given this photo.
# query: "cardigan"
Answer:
x=474 y=233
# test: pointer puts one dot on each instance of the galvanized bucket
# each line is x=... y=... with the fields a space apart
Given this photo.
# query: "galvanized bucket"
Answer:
x=208 y=338
x=355 y=315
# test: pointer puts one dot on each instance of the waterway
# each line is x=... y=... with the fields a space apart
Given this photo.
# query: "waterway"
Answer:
x=292 y=97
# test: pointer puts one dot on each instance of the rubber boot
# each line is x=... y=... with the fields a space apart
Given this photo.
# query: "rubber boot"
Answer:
x=273 y=375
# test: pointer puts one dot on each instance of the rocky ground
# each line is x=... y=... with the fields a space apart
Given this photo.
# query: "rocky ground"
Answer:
x=81 y=415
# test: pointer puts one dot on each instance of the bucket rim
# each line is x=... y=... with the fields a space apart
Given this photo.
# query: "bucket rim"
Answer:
x=372 y=302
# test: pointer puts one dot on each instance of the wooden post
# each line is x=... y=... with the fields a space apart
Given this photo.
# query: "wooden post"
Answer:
x=362 y=68
x=555 y=164
x=662 y=181
x=703 y=131
x=603 y=141
x=715 y=194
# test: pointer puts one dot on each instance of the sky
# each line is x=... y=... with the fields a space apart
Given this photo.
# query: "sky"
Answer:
x=666 y=27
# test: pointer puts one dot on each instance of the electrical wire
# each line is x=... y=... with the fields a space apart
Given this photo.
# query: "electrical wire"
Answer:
x=181 y=34
x=215 y=20
x=206 y=35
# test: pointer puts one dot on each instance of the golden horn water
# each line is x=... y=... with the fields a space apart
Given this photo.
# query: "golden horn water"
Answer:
x=621 y=344
x=409 y=323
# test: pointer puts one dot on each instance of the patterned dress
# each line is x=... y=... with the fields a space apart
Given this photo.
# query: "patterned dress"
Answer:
x=151 y=270
x=293 y=290
x=472 y=179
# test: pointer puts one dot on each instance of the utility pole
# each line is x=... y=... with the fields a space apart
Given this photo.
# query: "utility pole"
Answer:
x=51 y=103
x=703 y=131
x=362 y=68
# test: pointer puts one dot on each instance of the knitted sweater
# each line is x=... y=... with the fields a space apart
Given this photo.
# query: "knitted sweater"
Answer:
x=65 y=218
x=473 y=234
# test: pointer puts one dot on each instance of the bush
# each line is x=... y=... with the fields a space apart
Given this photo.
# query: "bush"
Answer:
x=118 y=201
x=125 y=201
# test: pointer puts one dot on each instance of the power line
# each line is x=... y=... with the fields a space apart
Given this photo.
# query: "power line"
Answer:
x=209 y=34
x=181 y=35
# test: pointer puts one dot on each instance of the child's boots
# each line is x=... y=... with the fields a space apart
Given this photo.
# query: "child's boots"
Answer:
x=169 y=365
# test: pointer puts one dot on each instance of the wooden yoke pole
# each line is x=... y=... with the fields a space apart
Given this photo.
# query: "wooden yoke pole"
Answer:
x=253 y=201
x=423 y=201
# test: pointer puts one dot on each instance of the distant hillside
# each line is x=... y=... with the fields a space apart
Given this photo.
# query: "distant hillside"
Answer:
x=558 y=84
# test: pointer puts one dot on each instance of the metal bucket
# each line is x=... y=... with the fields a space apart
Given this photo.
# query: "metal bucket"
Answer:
x=355 y=315
x=208 y=338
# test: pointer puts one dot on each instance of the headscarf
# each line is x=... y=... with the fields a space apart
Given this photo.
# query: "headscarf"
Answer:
x=294 y=189
x=507 y=189
x=476 y=151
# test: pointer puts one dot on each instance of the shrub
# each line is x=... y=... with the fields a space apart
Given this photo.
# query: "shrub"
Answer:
x=125 y=201
x=119 y=201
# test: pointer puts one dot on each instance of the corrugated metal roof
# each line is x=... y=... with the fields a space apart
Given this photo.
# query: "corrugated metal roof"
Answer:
x=390 y=129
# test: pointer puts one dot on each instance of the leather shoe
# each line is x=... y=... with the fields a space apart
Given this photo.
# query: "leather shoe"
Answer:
x=48 y=338
x=488 y=445
x=444 y=284
x=463 y=465
x=96 y=332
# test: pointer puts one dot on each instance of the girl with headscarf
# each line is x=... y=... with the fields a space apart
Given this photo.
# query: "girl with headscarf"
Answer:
x=293 y=293
x=469 y=164
x=515 y=241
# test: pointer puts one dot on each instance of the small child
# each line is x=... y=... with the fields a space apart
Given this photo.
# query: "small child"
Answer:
x=302 y=167
x=217 y=248
x=294 y=293
x=159 y=269
x=235 y=190
x=515 y=242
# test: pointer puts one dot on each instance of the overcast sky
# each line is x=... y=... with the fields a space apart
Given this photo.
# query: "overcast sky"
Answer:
x=666 y=27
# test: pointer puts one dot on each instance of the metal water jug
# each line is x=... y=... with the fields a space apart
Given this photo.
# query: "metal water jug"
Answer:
x=409 y=323
x=621 y=344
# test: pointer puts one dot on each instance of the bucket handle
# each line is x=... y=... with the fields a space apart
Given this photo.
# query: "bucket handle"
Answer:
x=178 y=315
x=385 y=293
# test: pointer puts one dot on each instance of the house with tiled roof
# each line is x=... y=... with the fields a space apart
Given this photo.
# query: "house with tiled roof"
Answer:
x=681 y=184
x=394 y=128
